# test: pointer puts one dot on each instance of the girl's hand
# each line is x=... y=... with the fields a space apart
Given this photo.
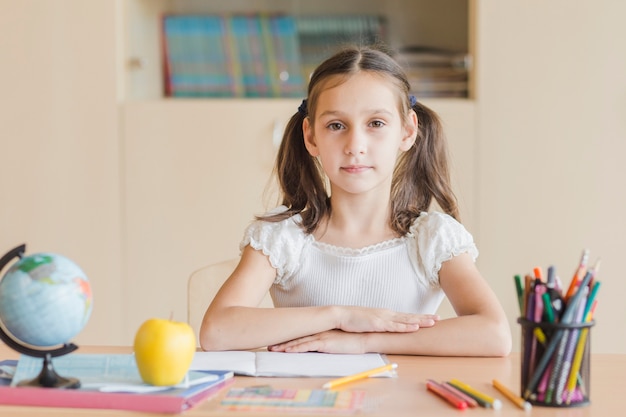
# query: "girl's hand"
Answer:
x=361 y=319
x=331 y=341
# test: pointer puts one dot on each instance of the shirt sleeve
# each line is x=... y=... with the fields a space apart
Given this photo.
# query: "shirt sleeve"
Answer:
x=281 y=242
x=439 y=237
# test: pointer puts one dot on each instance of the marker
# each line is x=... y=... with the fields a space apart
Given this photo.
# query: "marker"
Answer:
x=519 y=288
x=547 y=304
x=556 y=300
x=477 y=395
x=442 y=392
x=538 y=274
x=360 y=375
x=518 y=401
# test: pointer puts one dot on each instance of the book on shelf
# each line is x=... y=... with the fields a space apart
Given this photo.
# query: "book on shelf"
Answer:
x=254 y=55
x=423 y=56
x=434 y=72
x=240 y=55
x=320 y=36
x=110 y=381
x=280 y=35
x=198 y=58
x=248 y=50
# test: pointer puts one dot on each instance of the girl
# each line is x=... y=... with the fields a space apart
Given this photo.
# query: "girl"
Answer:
x=352 y=258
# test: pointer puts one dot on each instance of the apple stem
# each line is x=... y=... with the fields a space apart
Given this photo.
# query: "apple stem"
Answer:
x=172 y=315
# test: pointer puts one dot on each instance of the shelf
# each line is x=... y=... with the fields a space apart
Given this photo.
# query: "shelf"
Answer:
x=442 y=24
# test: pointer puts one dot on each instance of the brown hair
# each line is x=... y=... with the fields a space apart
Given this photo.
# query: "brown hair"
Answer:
x=421 y=173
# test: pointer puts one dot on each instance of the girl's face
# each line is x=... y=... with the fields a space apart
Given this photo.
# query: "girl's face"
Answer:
x=358 y=132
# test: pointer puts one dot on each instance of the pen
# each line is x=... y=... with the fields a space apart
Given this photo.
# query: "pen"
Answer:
x=483 y=399
x=360 y=375
x=446 y=395
x=518 y=401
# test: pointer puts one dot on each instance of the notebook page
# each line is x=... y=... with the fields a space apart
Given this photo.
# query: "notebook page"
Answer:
x=313 y=364
x=239 y=361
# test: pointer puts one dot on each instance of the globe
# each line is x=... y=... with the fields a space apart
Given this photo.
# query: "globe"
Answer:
x=45 y=300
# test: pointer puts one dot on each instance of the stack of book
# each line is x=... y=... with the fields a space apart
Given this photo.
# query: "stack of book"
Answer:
x=436 y=72
x=254 y=55
x=107 y=381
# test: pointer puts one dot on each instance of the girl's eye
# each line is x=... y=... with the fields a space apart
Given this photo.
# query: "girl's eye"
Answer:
x=335 y=126
x=377 y=123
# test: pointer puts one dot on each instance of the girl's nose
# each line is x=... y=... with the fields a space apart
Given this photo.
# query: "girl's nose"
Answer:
x=356 y=143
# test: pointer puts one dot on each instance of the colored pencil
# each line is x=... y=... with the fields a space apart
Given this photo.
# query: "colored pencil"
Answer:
x=518 y=401
x=361 y=375
x=477 y=395
x=469 y=400
x=451 y=398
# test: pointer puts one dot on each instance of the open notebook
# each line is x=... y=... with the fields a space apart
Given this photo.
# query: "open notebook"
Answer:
x=279 y=364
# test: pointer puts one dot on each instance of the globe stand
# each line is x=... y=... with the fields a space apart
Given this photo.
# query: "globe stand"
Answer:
x=48 y=377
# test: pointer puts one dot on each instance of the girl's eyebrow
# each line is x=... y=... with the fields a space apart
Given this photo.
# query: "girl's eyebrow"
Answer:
x=340 y=113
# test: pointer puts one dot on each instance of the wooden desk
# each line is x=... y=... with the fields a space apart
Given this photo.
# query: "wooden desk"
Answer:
x=405 y=395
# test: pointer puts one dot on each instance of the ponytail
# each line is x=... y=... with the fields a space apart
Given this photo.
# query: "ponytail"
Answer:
x=422 y=174
x=299 y=178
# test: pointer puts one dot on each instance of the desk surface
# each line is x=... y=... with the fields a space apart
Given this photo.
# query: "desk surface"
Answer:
x=405 y=395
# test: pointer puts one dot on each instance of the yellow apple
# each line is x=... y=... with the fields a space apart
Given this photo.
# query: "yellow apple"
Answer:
x=164 y=350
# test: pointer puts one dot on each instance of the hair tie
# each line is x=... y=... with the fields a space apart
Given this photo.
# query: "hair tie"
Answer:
x=302 y=108
x=412 y=100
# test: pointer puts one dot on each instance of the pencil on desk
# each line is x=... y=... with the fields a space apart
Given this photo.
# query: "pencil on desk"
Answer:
x=518 y=401
x=360 y=375
x=482 y=399
x=469 y=400
x=447 y=395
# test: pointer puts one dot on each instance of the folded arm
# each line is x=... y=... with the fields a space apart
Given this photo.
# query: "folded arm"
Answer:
x=233 y=321
x=480 y=328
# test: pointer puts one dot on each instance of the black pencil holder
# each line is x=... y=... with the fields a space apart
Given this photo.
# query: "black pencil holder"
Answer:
x=555 y=365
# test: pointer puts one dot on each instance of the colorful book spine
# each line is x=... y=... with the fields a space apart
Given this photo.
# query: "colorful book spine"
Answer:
x=280 y=36
x=197 y=60
x=254 y=55
x=245 y=32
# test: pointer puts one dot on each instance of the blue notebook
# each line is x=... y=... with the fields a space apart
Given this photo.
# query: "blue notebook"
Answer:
x=110 y=381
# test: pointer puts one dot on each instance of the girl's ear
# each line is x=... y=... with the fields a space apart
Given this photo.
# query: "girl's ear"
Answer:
x=309 y=139
x=410 y=131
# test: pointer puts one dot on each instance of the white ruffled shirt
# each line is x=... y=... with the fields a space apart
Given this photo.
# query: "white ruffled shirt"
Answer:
x=400 y=274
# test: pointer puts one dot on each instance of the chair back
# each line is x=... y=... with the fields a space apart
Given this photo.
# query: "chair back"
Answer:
x=202 y=287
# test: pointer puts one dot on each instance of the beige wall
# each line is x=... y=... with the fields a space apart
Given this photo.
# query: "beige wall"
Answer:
x=551 y=126
x=537 y=156
x=59 y=143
